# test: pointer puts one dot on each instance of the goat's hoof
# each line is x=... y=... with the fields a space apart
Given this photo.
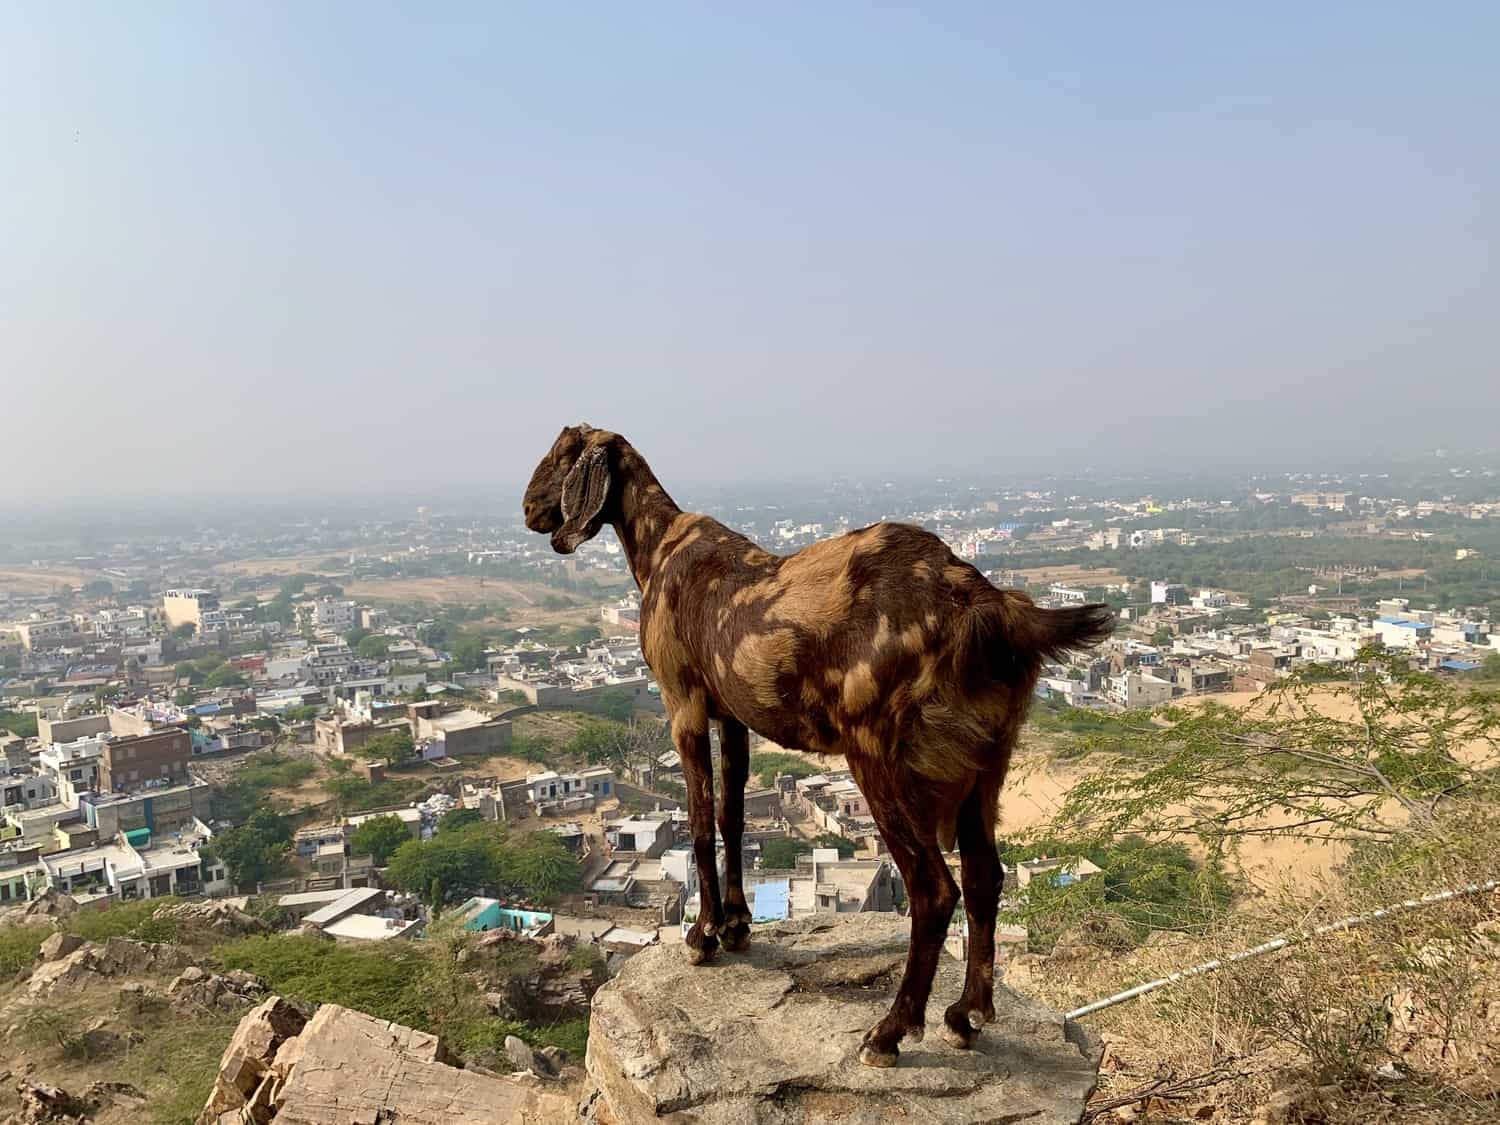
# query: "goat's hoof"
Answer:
x=700 y=949
x=871 y=1055
x=736 y=939
x=961 y=1040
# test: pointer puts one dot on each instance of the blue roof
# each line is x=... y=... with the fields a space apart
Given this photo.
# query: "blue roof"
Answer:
x=1459 y=665
x=1402 y=622
x=769 y=901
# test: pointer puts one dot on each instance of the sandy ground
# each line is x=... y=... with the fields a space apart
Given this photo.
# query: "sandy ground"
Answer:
x=1070 y=572
x=281 y=564
x=26 y=580
x=1036 y=789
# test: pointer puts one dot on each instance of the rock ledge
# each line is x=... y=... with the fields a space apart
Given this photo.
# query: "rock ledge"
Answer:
x=771 y=1037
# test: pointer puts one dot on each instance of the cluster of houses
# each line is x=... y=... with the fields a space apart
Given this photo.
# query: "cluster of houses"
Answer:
x=1202 y=655
x=104 y=805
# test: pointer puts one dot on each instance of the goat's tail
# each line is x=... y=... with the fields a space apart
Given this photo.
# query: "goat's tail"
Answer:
x=1007 y=636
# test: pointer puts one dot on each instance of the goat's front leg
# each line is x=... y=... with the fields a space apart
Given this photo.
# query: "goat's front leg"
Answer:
x=734 y=770
x=697 y=768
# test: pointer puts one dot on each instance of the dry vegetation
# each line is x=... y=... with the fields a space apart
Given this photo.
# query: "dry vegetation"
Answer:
x=1398 y=1021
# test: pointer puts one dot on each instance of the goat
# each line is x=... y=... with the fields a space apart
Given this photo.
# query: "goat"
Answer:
x=879 y=645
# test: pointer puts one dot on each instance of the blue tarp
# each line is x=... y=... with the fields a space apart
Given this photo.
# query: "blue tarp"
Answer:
x=769 y=902
x=1458 y=665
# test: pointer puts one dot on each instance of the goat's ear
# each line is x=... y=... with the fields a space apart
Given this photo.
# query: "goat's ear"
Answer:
x=584 y=491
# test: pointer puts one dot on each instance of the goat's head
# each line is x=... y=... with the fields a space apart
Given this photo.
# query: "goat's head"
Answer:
x=570 y=489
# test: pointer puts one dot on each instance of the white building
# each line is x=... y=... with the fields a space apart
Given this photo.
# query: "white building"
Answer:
x=1135 y=689
x=1397 y=632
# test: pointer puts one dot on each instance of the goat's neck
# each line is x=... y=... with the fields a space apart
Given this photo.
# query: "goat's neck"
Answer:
x=644 y=514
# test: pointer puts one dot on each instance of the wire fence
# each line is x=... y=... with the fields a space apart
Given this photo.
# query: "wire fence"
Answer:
x=1284 y=942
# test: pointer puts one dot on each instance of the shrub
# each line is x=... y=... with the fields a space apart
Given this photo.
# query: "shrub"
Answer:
x=766 y=764
x=134 y=920
x=19 y=946
x=381 y=980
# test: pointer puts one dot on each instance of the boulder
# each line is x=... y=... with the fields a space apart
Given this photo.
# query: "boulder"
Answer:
x=58 y=946
x=772 y=1036
x=346 y=1066
x=522 y=1057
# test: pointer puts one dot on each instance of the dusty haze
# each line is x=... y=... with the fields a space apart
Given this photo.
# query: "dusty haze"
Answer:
x=260 y=248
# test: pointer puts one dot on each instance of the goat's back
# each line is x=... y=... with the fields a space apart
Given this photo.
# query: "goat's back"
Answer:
x=880 y=641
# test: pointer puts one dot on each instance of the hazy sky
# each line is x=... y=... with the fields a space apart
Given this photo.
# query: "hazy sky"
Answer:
x=252 y=247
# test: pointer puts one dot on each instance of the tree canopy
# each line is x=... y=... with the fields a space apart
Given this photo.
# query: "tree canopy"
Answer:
x=455 y=865
x=379 y=838
x=392 y=748
x=254 y=850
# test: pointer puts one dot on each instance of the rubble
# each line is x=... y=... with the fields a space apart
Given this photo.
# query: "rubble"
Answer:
x=216 y=915
x=771 y=1038
x=196 y=987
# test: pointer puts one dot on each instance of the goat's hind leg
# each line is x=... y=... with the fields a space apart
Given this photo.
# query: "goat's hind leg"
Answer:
x=734 y=770
x=982 y=879
x=904 y=808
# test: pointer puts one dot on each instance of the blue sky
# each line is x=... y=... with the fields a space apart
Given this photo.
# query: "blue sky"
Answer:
x=249 y=247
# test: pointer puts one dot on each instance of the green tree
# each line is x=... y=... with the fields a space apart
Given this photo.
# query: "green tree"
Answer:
x=303 y=712
x=225 y=676
x=539 y=863
x=455 y=820
x=766 y=764
x=255 y=849
x=392 y=748
x=462 y=864
x=374 y=646
x=18 y=723
x=379 y=838
x=185 y=631
x=782 y=853
x=469 y=654
x=632 y=749
x=842 y=844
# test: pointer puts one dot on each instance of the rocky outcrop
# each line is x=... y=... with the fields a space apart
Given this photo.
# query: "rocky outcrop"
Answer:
x=49 y=904
x=554 y=988
x=118 y=957
x=248 y=1059
x=771 y=1037
x=199 y=988
x=345 y=1066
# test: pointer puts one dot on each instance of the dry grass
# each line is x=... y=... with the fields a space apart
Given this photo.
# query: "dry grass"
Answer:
x=1395 y=1021
x=27 y=580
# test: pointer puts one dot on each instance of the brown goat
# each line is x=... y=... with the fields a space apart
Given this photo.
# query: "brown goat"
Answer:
x=880 y=645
